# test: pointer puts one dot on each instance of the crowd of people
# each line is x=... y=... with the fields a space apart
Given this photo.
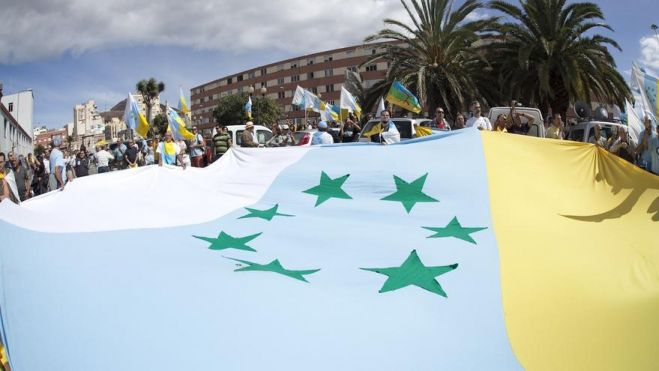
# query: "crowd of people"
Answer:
x=56 y=166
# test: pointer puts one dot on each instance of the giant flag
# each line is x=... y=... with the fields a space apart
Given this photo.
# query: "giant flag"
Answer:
x=342 y=257
x=134 y=117
x=648 y=88
x=400 y=96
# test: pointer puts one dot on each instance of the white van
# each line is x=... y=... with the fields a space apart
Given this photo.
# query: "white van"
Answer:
x=536 y=130
x=582 y=131
x=263 y=134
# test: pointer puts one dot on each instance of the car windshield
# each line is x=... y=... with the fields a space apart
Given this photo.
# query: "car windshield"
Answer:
x=261 y=135
x=404 y=127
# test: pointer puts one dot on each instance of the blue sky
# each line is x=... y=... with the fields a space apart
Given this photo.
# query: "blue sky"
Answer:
x=79 y=50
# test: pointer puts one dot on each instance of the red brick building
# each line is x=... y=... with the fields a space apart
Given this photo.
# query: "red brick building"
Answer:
x=322 y=73
x=45 y=138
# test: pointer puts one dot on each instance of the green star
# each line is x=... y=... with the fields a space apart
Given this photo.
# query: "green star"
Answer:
x=413 y=272
x=225 y=241
x=455 y=229
x=329 y=188
x=263 y=214
x=275 y=267
x=409 y=193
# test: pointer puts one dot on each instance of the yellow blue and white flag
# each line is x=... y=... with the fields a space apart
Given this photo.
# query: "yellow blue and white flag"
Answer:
x=248 y=107
x=298 y=97
x=182 y=103
x=134 y=117
x=528 y=267
x=311 y=101
x=349 y=102
x=327 y=112
x=177 y=125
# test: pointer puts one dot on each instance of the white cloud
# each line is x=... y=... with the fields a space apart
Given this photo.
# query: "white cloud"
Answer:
x=477 y=16
x=38 y=29
x=650 y=54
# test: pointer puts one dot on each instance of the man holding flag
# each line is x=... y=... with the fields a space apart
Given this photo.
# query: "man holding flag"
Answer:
x=390 y=133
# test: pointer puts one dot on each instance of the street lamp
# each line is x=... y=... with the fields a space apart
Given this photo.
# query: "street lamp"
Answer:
x=263 y=91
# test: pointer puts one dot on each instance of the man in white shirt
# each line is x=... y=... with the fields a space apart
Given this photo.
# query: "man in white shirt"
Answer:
x=322 y=136
x=478 y=121
x=103 y=158
x=390 y=133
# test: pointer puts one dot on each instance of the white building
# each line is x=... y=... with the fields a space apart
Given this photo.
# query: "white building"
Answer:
x=39 y=130
x=13 y=137
x=21 y=106
x=87 y=120
x=69 y=129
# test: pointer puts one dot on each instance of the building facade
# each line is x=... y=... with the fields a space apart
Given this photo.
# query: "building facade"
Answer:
x=322 y=73
x=46 y=138
x=86 y=119
x=14 y=137
x=21 y=106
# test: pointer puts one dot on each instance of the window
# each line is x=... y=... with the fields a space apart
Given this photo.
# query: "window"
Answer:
x=252 y=74
x=310 y=62
x=372 y=67
x=264 y=84
x=314 y=90
x=295 y=78
x=240 y=78
x=373 y=51
x=264 y=71
x=293 y=65
x=11 y=107
x=229 y=80
x=352 y=68
x=280 y=81
x=281 y=95
x=329 y=72
x=329 y=88
x=350 y=53
x=329 y=58
x=310 y=75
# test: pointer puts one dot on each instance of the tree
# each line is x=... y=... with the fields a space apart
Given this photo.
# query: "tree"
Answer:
x=159 y=126
x=547 y=54
x=39 y=150
x=436 y=54
x=230 y=110
x=366 y=97
x=150 y=90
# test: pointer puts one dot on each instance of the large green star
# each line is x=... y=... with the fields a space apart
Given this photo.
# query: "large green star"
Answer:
x=455 y=229
x=413 y=272
x=263 y=214
x=275 y=267
x=329 y=188
x=409 y=193
x=225 y=241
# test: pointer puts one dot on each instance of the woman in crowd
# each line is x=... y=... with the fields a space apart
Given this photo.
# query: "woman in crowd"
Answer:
x=350 y=130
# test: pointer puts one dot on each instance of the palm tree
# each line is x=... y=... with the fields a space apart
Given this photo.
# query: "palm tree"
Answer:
x=367 y=97
x=150 y=90
x=547 y=54
x=437 y=54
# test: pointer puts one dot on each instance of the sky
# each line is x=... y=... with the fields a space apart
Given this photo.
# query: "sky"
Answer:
x=70 y=51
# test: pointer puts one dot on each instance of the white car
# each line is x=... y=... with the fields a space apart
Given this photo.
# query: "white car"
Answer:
x=582 y=131
x=536 y=130
x=263 y=134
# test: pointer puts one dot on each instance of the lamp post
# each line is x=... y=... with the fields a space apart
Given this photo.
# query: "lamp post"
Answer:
x=263 y=91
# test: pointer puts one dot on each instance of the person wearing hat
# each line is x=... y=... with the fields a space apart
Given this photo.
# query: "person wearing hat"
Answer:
x=282 y=139
x=248 y=137
x=322 y=136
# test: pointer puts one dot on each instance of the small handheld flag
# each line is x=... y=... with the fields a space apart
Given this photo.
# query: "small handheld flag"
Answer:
x=401 y=97
x=134 y=117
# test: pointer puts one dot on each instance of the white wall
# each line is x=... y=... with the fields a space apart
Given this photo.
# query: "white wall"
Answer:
x=22 y=108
